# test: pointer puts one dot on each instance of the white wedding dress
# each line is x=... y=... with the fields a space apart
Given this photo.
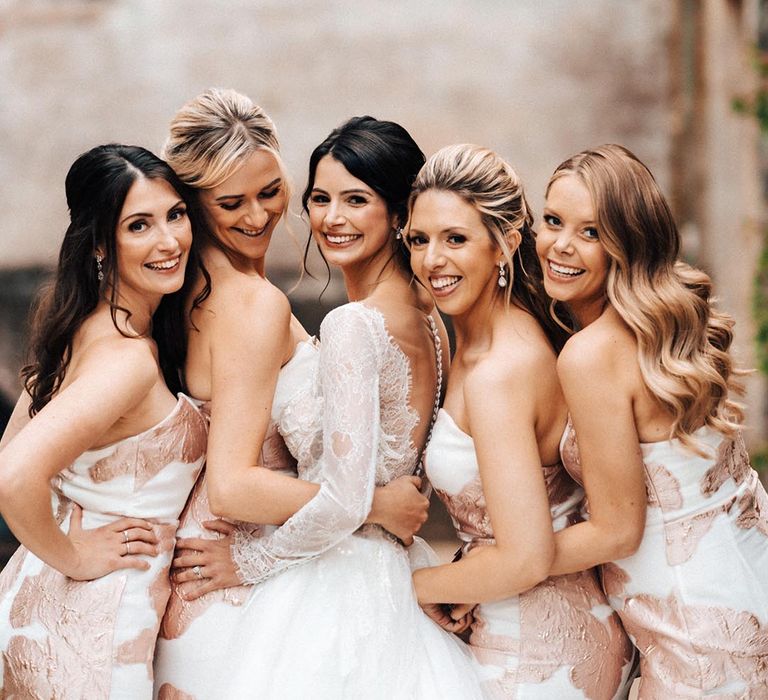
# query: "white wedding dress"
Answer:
x=334 y=615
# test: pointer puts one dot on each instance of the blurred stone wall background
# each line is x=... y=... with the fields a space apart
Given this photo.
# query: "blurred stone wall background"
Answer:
x=536 y=80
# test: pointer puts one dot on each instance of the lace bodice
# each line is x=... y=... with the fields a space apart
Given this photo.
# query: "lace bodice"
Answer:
x=297 y=407
x=362 y=391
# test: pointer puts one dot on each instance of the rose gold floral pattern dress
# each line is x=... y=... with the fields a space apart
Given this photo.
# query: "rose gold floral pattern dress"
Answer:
x=560 y=639
x=69 y=639
x=194 y=634
x=694 y=597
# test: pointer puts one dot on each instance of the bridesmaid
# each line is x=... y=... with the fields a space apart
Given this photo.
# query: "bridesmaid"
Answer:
x=99 y=456
x=493 y=457
x=676 y=514
x=253 y=366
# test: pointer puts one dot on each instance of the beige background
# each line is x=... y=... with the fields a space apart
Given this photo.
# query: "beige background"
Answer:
x=534 y=79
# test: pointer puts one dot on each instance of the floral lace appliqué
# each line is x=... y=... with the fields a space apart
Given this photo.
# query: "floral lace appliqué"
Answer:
x=468 y=510
x=560 y=485
x=662 y=488
x=569 y=452
x=182 y=436
x=558 y=628
x=367 y=428
x=753 y=504
x=180 y=613
x=732 y=462
x=74 y=658
x=691 y=649
x=142 y=648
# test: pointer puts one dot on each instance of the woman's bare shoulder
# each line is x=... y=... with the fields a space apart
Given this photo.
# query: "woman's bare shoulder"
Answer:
x=606 y=348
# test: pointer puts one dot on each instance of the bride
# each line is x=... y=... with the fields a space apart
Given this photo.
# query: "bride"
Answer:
x=335 y=615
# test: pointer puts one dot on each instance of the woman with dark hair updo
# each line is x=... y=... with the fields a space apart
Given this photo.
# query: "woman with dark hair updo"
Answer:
x=99 y=456
x=334 y=615
x=677 y=517
x=253 y=367
x=493 y=458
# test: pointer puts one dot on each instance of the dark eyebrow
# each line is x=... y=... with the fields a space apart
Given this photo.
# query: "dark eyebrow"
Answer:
x=356 y=191
x=345 y=192
x=274 y=182
x=138 y=213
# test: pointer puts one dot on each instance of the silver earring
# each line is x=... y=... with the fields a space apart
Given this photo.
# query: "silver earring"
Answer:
x=99 y=268
x=399 y=234
x=502 y=281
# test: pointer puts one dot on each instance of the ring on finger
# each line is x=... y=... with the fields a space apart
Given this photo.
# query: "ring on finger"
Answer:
x=127 y=547
x=197 y=571
x=125 y=536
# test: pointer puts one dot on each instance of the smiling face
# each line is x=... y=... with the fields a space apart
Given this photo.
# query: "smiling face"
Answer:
x=452 y=253
x=350 y=221
x=244 y=209
x=152 y=240
x=574 y=261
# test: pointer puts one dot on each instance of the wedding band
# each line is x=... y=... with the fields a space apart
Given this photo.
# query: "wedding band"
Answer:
x=127 y=547
x=196 y=571
x=125 y=536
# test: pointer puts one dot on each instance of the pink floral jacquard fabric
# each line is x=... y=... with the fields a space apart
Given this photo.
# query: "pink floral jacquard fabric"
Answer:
x=194 y=634
x=694 y=598
x=559 y=639
x=68 y=639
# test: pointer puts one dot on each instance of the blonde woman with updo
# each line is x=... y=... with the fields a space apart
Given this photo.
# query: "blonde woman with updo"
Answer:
x=493 y=458
x=252 y=366
x=677 y=517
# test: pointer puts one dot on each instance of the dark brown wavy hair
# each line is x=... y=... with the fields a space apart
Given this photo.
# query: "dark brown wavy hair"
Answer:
x=96 y=187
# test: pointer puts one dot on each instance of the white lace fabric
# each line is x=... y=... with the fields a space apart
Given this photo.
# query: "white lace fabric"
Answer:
x=367 y=424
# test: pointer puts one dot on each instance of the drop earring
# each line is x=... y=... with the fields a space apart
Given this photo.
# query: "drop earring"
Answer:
x=502 y=281
x=399 y=234
x=99 y=268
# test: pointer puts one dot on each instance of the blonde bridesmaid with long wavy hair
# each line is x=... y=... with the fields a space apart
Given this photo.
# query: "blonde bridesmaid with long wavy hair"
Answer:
x=677 y=517
x=493 y=457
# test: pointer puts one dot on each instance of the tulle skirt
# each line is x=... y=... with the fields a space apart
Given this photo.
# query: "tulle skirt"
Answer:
x=345 y=625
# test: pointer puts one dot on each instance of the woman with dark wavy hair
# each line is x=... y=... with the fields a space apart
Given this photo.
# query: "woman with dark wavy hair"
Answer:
x=99 y=456
x=677 y=517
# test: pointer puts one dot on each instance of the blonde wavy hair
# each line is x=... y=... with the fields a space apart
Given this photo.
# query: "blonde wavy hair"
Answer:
x=486 y=181
x=212 y=134
x=682 y=340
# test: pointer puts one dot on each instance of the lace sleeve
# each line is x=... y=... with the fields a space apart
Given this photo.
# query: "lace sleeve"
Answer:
x=349 y=378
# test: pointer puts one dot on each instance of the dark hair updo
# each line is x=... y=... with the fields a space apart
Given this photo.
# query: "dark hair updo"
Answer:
x=384 y=156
